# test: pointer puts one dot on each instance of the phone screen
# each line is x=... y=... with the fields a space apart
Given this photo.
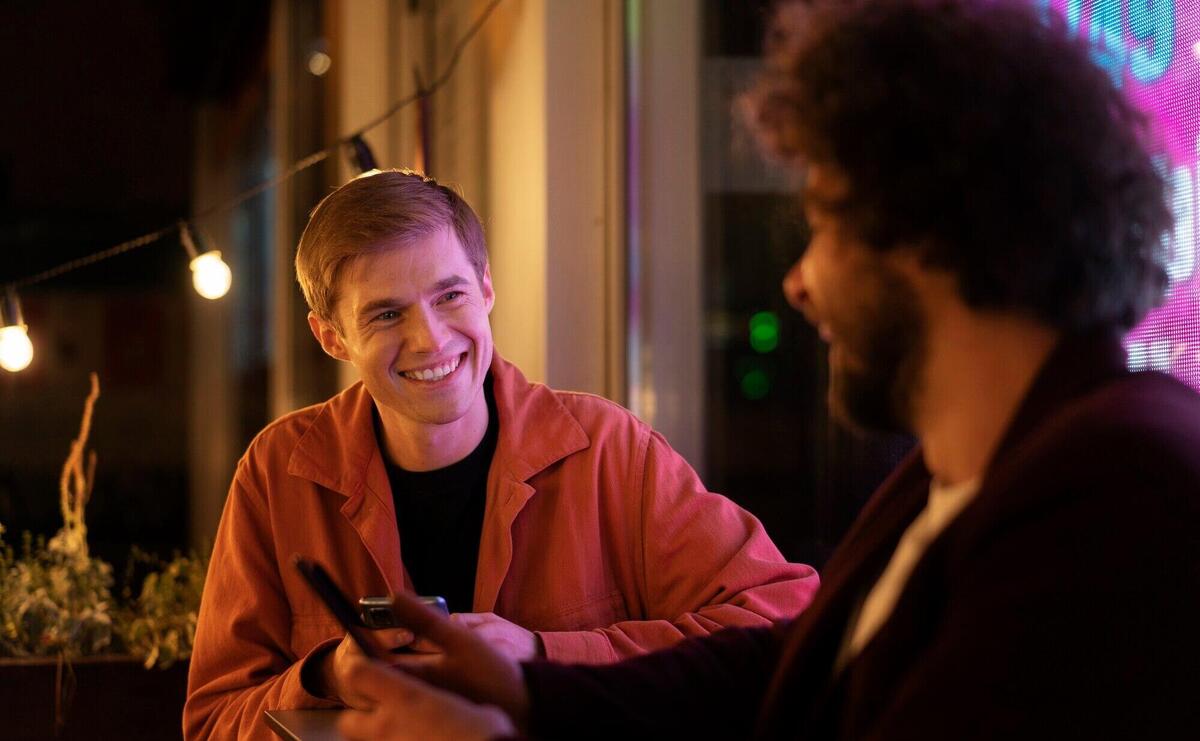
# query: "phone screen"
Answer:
x=336 y=601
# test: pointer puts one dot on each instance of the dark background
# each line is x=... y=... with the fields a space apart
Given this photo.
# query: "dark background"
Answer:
x=96 y=147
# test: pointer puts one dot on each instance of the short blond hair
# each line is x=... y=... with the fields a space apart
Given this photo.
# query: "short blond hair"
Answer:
x=373 y=212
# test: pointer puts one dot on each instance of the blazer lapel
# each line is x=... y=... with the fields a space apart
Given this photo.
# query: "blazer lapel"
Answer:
x=805 y=672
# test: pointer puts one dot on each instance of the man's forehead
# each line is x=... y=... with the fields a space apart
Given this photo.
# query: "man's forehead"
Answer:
x=428 y=256
x=401 y=272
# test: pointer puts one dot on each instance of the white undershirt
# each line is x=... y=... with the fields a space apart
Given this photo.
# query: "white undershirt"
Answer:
x=944 y=504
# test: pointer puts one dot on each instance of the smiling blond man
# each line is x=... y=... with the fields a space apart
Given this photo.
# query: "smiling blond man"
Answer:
x=555 y=524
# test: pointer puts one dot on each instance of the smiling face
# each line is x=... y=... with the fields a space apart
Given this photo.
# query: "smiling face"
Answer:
x=413 y=320
x=864 y=308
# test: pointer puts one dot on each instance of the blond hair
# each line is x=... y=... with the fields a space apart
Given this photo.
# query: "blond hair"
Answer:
x=375 y=211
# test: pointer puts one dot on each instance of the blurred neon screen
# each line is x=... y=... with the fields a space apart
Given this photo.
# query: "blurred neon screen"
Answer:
x=1151 y=49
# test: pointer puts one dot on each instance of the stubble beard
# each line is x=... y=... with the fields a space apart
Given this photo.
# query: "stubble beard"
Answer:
x=875 y=385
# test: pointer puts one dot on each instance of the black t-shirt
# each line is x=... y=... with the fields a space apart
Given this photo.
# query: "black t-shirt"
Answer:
x=440 y=517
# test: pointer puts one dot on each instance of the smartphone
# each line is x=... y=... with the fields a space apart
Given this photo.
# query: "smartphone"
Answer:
x=337 y=602
x=376 y=612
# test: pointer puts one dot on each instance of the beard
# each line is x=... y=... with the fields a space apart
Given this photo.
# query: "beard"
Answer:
x=875 y=369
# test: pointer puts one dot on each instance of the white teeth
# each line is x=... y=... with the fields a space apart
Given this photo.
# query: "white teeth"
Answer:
x=436 y=373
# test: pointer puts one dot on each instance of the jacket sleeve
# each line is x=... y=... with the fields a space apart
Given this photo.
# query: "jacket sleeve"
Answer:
x=703 y=564
x=241 y=662
x=707 y=687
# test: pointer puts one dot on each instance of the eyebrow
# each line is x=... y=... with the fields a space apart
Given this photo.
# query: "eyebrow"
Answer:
x=391 y=303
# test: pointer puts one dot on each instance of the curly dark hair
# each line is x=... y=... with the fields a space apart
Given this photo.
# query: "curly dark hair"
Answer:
x=981 y=132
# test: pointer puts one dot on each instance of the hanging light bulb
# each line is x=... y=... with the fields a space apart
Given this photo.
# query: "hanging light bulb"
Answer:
x=16 y=351
x=210 y=275
x=361 y=154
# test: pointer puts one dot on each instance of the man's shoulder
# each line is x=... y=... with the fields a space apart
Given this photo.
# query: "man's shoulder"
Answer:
x=533 y=404
x=590 y=407
x=288 y=428
x=283 y=434
x=603 y=420
x=1140 y=429
x=1146 y=412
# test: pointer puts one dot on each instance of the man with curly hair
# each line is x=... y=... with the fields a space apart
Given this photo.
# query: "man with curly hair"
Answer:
x=986 y=224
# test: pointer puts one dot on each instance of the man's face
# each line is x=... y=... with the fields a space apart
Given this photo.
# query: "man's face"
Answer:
x=414 y=323
x=864 y=308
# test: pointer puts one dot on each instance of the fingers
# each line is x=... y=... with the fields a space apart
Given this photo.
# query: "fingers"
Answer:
x=366 y=678
x=392 y=638
x=428 y=624
x=471 y=619
x=424 y=646
x=354 y=725
x=375 y=646
x=422 y=666
x=377 y=686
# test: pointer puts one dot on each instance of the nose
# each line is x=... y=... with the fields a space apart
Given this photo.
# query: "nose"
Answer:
x=429 y=332
x=793 y=286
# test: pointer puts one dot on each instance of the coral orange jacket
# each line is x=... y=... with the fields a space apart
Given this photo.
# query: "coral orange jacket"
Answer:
x=596 y=534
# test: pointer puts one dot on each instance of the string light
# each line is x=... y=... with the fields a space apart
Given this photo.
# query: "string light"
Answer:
x=16 y=350
x=211 y=277
x=319 y=60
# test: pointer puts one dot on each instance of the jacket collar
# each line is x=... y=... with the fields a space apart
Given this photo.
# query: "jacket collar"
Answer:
x=1078 y=364
x=531 y=412
x=339 y=450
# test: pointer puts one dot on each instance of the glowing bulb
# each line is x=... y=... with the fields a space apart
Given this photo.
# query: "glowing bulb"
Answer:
x=16 y=351
x=210 y=275
x=319 y=63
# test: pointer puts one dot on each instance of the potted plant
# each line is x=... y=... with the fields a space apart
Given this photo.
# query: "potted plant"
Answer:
x=74 y=660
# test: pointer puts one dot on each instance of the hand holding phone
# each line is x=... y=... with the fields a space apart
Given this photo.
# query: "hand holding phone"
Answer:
x=376 y=612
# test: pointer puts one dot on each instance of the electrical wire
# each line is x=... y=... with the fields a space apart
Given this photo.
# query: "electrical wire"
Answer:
x=255 y=190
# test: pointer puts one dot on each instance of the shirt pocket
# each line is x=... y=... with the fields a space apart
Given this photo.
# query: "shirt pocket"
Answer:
x=597 y=612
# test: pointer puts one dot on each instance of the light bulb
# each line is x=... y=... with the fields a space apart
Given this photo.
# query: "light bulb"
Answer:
x=210 y=275
x=16 y=351
x=319 y=63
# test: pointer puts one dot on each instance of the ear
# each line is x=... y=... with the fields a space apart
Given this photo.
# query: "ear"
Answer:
x=485 y=285
x=329 y=337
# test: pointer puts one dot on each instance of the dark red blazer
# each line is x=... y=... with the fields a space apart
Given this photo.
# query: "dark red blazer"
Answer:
x=1064 y=602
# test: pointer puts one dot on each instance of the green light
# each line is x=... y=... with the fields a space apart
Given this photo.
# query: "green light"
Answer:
x=764 y=331
x=755 y=384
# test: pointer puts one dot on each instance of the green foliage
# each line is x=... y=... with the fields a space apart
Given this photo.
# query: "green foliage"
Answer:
x=57 y=601
x=158 y=627
x=53 y=601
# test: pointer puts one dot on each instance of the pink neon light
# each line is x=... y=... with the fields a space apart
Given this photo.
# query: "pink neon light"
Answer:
x=1124 y=34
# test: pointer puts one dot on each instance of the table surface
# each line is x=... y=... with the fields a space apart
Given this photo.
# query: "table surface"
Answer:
x=305 y=725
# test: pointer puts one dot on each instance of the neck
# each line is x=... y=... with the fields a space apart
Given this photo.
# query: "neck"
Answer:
x=417 y=446
x=978 y=369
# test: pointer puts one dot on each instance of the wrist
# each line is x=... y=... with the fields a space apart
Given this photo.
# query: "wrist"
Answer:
x=317 y=675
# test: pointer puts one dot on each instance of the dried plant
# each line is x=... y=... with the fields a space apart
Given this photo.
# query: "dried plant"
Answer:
x=75 y=484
